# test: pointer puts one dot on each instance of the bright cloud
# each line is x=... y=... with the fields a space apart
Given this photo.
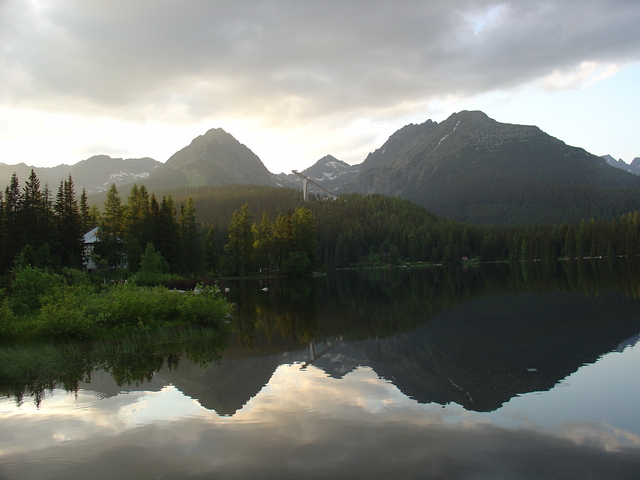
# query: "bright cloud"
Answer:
x=290 y=79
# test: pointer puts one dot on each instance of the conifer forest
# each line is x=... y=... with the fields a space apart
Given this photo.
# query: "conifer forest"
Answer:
x=245 y=230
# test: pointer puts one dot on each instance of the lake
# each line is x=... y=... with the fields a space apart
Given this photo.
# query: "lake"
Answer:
x=493 y=371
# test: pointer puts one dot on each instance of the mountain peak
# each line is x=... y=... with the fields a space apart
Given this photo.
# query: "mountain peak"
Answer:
x=215 y=158
x=466 y=165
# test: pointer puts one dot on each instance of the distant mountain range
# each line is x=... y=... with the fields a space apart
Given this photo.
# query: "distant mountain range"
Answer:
x=468 y=168
x=634 y=167
x=95 y=174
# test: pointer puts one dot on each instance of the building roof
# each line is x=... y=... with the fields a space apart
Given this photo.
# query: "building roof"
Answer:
x=91 y=236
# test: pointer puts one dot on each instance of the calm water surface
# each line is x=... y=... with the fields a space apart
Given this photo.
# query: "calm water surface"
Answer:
x=492 y=372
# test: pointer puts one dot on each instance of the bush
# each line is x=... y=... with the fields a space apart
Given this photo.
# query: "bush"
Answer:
x=153 y=269
x=6 y=318
x=129 y=306
x=204 y=306
x=30 y=285
x=64 y=316
x=150 y=279
x=73 y=276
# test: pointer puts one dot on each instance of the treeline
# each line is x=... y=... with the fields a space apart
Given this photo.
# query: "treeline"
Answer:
x=370 y=230
x=43 y=227
x=245 y=229
x=46 y=231
x=361 y=230
x=155 y=236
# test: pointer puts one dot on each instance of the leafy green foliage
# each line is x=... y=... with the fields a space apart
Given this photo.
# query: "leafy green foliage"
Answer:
x=127 y=306
x=153 y=268
x=7 y=318
x=203 y=306
x=30 y=285
x=42 y=304
x=63 y=315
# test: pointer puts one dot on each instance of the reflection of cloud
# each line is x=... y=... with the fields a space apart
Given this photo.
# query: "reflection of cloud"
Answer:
x=303 y=424
x=599 y=435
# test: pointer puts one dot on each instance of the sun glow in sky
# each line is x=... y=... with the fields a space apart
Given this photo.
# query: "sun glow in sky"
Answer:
x=296 y=80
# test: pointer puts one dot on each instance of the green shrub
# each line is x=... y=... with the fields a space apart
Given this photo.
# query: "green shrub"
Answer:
x=64 y=316
x=150 y=279
x=204 y=306
x=129 y=306
x=30 y=285
x=7 y=318
x=153 y=268
x=73 y=276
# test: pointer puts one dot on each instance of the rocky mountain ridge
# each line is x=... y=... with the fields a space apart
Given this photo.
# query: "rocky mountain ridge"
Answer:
x=328 y=171
x=468 y=167
x=95 y=174
x=633 y=167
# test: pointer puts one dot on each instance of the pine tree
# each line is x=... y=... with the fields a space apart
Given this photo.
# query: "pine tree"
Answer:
x=11 y=231
x=239 y=248
x=68 y=226
x=263 y=245
x=112 y=228
x=282 y=239
x=137 y=214
x=166 y=233
x=189 y=236
x=88 y=219
x=303 y=249
x=210 y=250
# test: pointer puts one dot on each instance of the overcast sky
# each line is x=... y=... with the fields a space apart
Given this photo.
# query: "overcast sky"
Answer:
x=295 y=80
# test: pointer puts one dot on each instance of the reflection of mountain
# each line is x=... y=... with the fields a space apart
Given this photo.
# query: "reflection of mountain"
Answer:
x=476 y=337
x=479 y=354
x=226 y=386
x=487 y=351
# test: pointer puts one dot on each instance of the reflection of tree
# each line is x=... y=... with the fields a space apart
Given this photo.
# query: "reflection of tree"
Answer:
x=382 y=302
x=287 y=309
x=37 y=369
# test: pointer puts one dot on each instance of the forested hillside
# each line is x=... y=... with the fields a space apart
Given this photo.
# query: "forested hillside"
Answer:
x=375 y=229
x=246 y=229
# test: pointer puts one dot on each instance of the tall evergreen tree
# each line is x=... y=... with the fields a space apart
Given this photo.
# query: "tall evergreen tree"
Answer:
x=112 y=228
x=263 y=233
x=164 y=230
x=210 y=250
x=239 y=248
x=303 y=256
x=189 y=237
x=11 y=231
x=137 y=219
x=88 y=219
x=68 y=225
x=282 y=239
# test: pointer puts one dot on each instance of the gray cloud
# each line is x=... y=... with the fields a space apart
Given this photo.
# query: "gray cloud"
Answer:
x=287 y=61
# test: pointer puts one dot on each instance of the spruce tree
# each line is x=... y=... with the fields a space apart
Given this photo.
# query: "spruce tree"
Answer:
x=189 y=237
x=112 y=228
x=210 y=250
x=263 y=245
x=12 y=226
x=239 y=249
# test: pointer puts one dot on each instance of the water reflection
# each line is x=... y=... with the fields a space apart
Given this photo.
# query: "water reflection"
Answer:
x=305 y=424
x=476 y=338
x=392 y=373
